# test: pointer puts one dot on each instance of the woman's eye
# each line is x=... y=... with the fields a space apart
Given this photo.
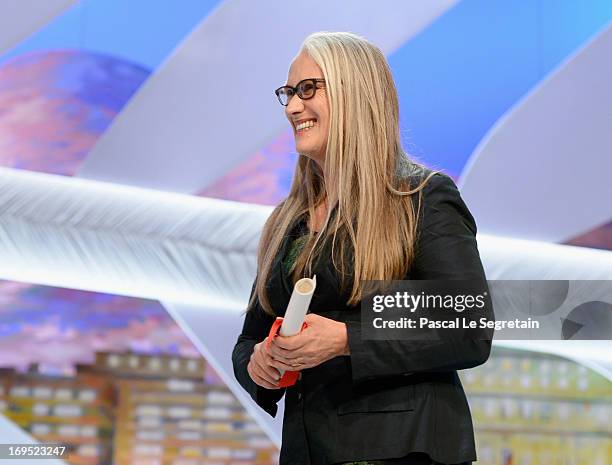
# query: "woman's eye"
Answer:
x=306 y=88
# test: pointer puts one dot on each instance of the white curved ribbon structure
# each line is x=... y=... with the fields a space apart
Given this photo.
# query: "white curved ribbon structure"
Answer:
x=20 y=18
x=196 y=255
x=211 y=103
x=543 y=170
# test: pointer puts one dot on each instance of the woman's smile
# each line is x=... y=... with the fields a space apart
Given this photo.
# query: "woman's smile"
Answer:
x=305 y=125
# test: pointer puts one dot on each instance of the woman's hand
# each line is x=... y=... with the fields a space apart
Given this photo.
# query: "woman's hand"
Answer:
x=260 y=367
x=322 y=340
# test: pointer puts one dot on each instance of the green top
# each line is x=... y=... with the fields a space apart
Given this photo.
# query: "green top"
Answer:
x=294 y=250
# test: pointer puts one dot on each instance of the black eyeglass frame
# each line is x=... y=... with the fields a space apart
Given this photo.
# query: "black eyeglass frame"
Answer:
x=295 y=90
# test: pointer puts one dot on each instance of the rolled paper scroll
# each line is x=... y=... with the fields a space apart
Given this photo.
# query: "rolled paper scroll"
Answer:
x=298 y=306
x=293 y=322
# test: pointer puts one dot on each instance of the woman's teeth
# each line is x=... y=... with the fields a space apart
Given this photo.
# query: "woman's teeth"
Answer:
x=305 y=125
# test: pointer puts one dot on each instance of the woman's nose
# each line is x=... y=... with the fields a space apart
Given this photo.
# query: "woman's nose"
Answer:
x=295 y=105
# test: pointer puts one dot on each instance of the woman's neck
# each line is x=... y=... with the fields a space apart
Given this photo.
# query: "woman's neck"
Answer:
x=316 y=223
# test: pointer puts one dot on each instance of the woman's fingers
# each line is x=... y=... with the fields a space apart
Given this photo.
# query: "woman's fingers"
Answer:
x=279 y=354
x=264 y=383
x=260 y=369
x=266 y=361
x=264 y=367
x=285 y=366
x=260 y=376
x=267 y=371
x=279 y=351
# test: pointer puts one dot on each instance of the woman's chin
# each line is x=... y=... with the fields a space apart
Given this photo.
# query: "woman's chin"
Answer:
x=307 y=148
x=303 y=149
x=311 y=156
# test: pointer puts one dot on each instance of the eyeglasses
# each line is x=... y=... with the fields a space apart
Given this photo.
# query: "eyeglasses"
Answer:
x=304 y=89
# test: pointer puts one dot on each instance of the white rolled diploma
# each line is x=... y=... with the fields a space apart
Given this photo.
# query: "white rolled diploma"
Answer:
x=297 y=308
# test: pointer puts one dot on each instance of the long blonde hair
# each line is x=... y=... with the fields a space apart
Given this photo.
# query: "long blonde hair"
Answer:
x=366 y=176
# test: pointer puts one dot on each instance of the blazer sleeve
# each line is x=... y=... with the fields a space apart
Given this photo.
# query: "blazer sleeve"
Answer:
x=446 y=249
x=257 y=324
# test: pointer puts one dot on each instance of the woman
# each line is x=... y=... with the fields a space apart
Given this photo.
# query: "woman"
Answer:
x=358 y=210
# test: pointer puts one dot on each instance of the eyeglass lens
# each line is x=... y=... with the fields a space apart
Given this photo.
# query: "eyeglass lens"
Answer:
x=305 y=90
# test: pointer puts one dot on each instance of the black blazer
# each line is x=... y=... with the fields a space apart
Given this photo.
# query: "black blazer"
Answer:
x=387 y=398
